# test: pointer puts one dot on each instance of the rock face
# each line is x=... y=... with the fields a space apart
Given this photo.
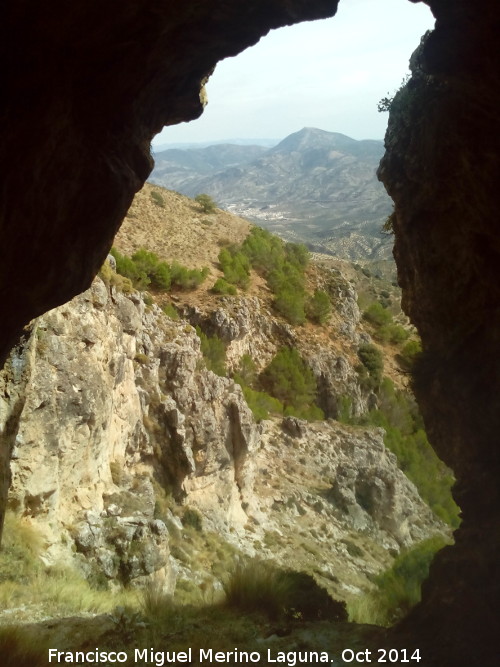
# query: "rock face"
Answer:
x=95 y=82
x=107 y=407
x=104 y=396
x=248 y=327
x=442 y=170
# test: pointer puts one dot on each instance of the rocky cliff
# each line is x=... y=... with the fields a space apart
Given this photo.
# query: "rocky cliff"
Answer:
x=117 y=429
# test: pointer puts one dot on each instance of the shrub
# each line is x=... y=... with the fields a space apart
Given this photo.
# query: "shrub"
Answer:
x=319 y=307
x=170 y=311
x=192 y=518
x=372 y=360
x=258 y=586
x=157 y=198
x=290 y=304
x=187 y=279
x=290 y=380
x=392 y=333
x=247 y=371
x=405 y=436
x=21 y=547
x=410 y=353
x=146 y=269
x=206 y=202
x=261 y=404
x=377 y=315
x=221 y=286
x=214 y=352
x=236 y=267
x=398 y=588
x=149 y=264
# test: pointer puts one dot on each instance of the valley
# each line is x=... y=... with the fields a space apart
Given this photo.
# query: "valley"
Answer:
x=315 y=187
x=156 y=446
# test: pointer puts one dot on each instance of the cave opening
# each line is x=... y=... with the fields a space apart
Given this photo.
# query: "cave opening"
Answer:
x=441 y=169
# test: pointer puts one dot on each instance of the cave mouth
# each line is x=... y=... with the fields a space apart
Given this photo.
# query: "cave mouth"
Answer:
x=99 y=82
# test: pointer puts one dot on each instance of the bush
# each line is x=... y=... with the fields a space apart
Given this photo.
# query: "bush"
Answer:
x=149 y=264
x=145 y=269
x=377 y=315
x=206 y=202
x=392 y=333
x=21 y=546
x=291 y=381
x=319 y=307
x=192 y=518
x=281 y=264
x=170 y=311
x=398 y=588
x=221 y=286
x=214 y=352
x=410 y=353
x=236 y=267
x=157 y=198
x=260 y=403
x=290 y=304
x=187 y=279
x=258 y=586
x=372 y=360
x=405 y=436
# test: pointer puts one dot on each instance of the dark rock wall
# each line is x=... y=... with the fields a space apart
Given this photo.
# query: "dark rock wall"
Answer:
x=442 y=170
x=86 y=84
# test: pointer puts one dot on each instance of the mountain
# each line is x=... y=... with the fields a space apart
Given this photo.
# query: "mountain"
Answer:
x=314 y=186
x=136 y=463
x=181 y=168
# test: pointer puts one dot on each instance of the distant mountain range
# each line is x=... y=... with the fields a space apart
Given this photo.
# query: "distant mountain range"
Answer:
x=315 y=186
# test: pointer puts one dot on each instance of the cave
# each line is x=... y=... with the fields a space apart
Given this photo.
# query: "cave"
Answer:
x=85 y=87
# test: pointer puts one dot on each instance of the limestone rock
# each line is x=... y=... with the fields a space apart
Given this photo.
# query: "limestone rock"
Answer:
x=108 y=403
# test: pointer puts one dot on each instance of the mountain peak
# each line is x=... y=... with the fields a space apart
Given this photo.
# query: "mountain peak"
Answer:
x=312 y=137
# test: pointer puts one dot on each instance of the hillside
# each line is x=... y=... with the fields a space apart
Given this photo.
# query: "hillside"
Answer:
x=314 y=186
x=172 y=438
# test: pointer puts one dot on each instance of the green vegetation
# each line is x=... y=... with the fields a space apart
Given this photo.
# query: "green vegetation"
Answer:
x=145 y=269
x=206 y=202
x=398 y=415
x=319 y=307
x=170 y=311
x=398 y=588
x=258 y=586
x=261 y=404
x=221 y=286
x=410 y=353
x=25 y=581
x=157 y=198
x=370 y=372
x=379 y=316
x=283 y=266
x=214 y=352
x=236 y=267
x=288 y=379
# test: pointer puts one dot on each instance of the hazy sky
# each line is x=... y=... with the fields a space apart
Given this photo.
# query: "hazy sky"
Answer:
x=328 y=74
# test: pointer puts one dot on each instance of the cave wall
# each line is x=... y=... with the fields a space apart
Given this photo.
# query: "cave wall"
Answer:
x=85 y=85
x=441 y=168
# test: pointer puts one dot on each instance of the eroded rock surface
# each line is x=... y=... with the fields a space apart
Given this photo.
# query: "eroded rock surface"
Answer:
x=442 y=170
x=113 y=420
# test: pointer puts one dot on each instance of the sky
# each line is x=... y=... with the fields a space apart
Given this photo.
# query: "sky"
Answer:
x=328 y=74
